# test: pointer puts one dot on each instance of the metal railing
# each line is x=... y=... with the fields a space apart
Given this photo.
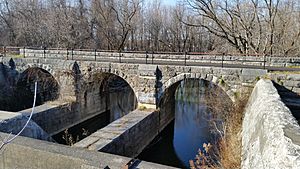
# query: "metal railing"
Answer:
x=186 y=58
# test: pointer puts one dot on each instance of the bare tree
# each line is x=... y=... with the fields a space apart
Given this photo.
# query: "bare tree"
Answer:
x=249 y=26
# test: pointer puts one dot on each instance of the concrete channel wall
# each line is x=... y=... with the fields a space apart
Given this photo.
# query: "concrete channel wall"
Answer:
x=271 y=135
x=127 y=136
x=27 y=153
x=55 y=117
x=13 y=122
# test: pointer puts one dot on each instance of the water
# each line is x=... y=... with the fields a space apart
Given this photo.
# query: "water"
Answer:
x=82 y=130
x=181 y=139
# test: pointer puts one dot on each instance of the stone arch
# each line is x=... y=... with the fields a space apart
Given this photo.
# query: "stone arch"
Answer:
x=167 y=94
x=184 y=76
x=98 y=90
x=47 y=67
x=206 y=77
x=129 y=80
x=48 y=87
x=118 y=75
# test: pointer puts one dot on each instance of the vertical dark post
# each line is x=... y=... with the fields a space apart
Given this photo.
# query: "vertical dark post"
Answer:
x=185 y=58
x=152 y=57
x=223 y=60
x=120 y=61
x=72 y=53
x=95 y=54
x=67 y=54
x=4 y=50
x=24 y=51
x=44 y=52
x=146 y=57
x=264 y=61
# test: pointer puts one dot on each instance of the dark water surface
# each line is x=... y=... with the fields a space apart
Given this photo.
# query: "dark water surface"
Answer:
x=84 y=129
x=181 y=139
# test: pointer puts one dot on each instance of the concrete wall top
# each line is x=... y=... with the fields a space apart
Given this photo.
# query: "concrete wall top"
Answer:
x=24 y=153
x=271 y=135
x=12 y=122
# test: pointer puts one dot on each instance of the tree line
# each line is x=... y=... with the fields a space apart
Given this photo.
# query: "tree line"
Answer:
x=268 y=27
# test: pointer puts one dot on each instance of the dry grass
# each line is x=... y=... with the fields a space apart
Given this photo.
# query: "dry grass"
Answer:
x=227 y=153
x=231 y=144
x=146 y=107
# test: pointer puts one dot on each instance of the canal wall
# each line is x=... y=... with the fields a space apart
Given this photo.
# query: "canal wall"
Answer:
x=25 y=153
x=271 y=135
x=127 y=136
x=54 y=117
x=12 y=122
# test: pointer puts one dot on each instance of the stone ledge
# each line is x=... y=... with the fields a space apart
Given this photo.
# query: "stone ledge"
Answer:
x=24 y=153
x=271 y=135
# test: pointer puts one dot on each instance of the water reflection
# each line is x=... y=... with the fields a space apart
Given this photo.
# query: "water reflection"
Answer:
x=180 y=141
x=191 y=127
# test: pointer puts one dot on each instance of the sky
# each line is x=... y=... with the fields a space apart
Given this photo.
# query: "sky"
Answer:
x=169 y=2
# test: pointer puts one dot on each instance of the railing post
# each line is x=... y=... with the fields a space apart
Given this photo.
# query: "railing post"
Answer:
x=72 y=53
x=223 y=59
x=4 y=49
x=152 y=57
x=95 y=54
x=67 y=54
x=24 y=51
x=44 y=52
x=146 y=57
x=264 y=61
x=185 y=58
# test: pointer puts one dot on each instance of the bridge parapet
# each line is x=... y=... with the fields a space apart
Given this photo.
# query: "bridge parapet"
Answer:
x=258 y=60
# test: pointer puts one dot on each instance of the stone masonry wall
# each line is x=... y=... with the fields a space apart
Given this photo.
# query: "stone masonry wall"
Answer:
x=271 y=135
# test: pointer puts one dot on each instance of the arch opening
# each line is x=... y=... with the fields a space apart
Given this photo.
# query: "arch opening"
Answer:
x=20 y=94
x=120 y=98
x=102 y=99
x=190 y=109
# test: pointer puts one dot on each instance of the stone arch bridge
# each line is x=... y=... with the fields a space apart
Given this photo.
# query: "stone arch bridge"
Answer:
x=148 y=82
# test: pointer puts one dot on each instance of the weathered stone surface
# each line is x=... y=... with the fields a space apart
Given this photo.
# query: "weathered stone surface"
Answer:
x=11 y=122
x=294 y=77
x=126 y=136
x=25 y=153
x=144 y=79
x=271 y=135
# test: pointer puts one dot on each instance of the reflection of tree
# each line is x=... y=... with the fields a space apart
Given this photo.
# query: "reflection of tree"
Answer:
x=203 y=104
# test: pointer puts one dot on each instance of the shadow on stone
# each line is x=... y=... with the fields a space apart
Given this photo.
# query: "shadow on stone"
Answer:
x=17 y=89
x=290 y=99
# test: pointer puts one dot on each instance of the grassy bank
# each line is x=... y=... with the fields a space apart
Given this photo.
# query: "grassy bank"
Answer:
x=226 y=152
